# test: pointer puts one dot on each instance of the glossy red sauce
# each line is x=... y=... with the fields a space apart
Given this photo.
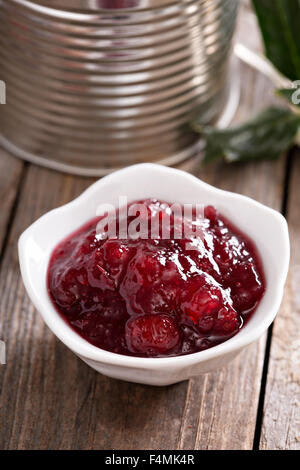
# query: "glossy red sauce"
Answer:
x=157 y=298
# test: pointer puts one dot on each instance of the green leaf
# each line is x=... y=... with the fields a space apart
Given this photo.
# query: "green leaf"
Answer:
x=266 y=136
x=292 y=95
x=279 y=22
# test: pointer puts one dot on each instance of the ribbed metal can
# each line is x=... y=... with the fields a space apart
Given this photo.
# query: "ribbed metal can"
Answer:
x=93 y=85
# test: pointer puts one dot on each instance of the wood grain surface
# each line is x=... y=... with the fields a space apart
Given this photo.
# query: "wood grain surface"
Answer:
x=10 y=181
x=281 y=423
x=49 y=399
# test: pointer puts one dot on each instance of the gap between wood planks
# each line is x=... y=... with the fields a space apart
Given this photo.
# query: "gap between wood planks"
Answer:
x=291 y=155
x=12 y=212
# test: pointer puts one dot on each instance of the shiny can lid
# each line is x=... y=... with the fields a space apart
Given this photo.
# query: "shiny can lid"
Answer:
x=94 y=5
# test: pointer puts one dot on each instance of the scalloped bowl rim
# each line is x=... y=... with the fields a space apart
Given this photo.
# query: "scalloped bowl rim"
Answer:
x=88 y=351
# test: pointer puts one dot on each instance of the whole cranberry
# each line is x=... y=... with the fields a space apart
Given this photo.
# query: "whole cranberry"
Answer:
x=148 y=334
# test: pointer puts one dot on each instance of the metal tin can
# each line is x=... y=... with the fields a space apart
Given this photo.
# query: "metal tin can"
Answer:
x=93 y=85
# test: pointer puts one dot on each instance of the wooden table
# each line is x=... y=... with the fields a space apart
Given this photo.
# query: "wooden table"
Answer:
x=49 y=399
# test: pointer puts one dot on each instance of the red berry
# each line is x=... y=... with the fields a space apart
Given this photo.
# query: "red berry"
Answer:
x=149 y=284
x=227 y=321
x=156 y=333
x=210 y=213
x=202 y=306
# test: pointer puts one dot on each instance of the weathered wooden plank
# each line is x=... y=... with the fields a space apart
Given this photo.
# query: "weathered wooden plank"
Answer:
x=10 y=177
x=221 y=408
x=281 y=422
x=32 y=352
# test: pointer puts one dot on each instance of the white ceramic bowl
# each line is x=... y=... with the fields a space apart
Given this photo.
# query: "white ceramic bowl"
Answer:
x=267 y=228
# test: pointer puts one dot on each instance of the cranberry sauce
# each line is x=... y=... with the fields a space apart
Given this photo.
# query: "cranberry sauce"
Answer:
x=157 y=297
